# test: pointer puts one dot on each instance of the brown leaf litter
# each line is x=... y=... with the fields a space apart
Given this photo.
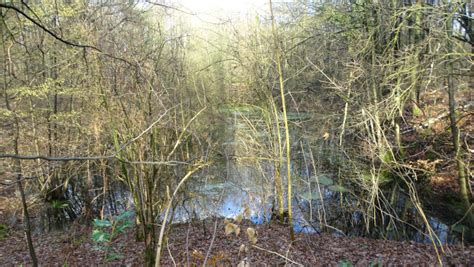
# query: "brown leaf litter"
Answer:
x=190 y=245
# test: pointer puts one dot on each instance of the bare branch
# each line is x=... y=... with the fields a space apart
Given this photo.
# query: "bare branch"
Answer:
x=113 y=156
x=64 y=41
x=169 y=7
x=40 y=157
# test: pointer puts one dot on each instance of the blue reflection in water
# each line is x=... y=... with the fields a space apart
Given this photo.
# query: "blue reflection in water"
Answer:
x=228 y=201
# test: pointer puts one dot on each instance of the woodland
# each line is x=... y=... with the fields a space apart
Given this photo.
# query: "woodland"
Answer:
x=295 y=132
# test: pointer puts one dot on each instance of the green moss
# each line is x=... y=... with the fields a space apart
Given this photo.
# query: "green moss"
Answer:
x=388 y=157
x=3 y=231
x=417 y=111
x=430 y=155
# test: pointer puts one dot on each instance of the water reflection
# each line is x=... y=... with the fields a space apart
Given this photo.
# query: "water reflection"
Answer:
x=229 y=198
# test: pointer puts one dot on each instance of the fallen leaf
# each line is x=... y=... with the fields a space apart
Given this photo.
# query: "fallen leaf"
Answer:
x=239 y=218
x=252 y=235
x=232 y=228
x=237 y=231
x=326 y=136
x=243 y=263
x=242 y=249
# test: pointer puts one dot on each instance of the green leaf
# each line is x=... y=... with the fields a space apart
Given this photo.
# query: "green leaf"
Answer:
x=345 y=263
x=121 y=228
x=59 y=204
x=123 y=216
x=376 y=263
x=113 y=256
x=338 y=188
x=99 y=236
x=324 y=180
x=102 y=223
x=417 y=111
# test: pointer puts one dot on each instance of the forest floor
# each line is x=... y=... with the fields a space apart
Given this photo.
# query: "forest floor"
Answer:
x=189 y=244
x=429 y=148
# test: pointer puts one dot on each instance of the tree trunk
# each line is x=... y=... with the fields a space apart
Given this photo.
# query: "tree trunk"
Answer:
x=279 y=62
x=26 y=218
x=462 y=179
x=455 y=133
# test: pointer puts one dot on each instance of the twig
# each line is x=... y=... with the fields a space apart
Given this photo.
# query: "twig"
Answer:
x=165 y=219
x=19 y=11
x=144 y=131
x=64 y=41
x=463 y=217
x=212 y=242
x=167 y=163
x=288 y=250
x=17 y=181
x=187 y=244
x=169 y=7
x=113 y=156
x=278 y=254
x=36 y=157
x=184 y=130
x=169 y=252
